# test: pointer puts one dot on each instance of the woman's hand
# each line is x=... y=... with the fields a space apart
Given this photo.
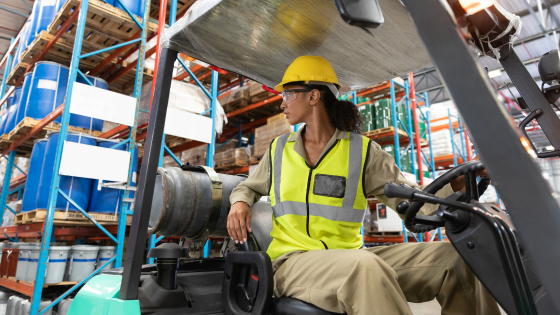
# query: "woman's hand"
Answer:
x=239 y=221
x=459 y=183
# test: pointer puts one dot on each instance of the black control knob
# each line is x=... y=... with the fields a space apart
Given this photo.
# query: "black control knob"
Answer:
x=168 y=255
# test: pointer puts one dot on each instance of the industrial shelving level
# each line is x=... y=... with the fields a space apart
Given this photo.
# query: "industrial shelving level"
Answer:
x=66 y=41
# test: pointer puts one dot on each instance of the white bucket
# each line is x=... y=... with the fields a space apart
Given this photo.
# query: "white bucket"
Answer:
x=64 y=306
x=56 y=265
x=32 y=263
x=26 y=307
x=82 y=262
x=11 y=306
x=105 y=254
x=22 y=261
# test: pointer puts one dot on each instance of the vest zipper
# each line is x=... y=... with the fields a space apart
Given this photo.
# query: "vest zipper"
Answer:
x=309 y=187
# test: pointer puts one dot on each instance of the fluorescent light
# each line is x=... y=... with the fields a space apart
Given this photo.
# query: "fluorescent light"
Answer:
x=494 y=73
x=549 y=148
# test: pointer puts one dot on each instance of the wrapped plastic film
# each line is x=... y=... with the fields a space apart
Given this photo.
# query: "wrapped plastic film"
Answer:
x=490 y=43
x=259 y=39
x=184 y=96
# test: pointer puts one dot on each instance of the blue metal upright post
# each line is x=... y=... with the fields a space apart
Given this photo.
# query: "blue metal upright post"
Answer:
x=6 y=184
x=211 y=146
x=6 y=72
x=395 y=125
x=451 y=133
x=410 y=127
x=429 y=128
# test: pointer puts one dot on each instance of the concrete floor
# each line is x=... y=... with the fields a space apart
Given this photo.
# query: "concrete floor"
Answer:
x=429 y=308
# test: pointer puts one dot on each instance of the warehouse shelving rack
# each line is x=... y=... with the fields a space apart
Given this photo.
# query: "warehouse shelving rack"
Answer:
x=46 y=230
x=464 y=151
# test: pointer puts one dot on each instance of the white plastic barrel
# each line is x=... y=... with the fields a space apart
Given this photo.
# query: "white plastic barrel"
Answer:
x=56 y=264
x=32 y=263
x=11 y=306
x=105 y=254
x=4 y=295
x=22 y=261
x=64 y=306
x=26 y=307
x=82 y=261
x=19 y=307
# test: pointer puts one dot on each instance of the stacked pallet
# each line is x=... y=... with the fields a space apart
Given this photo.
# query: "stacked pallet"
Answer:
x=276 y=126
x=232 y=158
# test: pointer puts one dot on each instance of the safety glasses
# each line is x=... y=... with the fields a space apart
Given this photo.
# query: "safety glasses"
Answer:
x=290 y=95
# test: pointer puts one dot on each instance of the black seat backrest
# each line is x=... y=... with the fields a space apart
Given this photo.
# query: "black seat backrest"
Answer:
x=261 y=223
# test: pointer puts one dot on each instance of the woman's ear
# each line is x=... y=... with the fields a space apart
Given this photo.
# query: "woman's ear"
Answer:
x=314 y=97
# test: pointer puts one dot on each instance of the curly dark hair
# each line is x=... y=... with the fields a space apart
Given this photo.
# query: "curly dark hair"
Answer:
x=343 y=115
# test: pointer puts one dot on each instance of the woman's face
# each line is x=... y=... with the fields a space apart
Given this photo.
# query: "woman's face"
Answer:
x=298 y=103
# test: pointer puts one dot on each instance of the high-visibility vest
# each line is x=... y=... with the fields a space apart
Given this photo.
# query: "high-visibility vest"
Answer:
x=320 y=207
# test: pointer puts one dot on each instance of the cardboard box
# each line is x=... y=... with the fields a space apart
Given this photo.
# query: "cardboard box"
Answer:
x=255 y=88
x=236 y=95
x=275 y=118
x=261 y=131
x=261 y=97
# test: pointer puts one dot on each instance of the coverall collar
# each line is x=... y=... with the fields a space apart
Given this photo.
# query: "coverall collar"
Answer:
x=298 y=145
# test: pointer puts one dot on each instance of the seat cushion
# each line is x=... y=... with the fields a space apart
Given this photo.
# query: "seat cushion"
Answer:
x=289 y=306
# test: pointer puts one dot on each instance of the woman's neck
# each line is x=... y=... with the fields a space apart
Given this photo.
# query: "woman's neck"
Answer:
x=318 y=128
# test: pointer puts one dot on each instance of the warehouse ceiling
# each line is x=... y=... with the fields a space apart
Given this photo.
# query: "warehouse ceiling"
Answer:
x=13 y=14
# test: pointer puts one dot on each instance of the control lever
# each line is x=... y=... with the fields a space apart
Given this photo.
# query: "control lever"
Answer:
x=404 y=191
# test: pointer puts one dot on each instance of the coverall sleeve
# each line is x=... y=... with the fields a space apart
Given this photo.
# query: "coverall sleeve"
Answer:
x=382 y=169
x=255 y=186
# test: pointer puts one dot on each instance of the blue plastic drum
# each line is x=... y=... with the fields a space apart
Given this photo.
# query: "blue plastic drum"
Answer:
x=84 y=121
x=34 y=176
x=47 y=10
x=35 y=17
x=48 y=89
x=136 y=7
x=24 y=98
x=77 y=188
x=107 y=199
x=4 y=118
x=12 y=111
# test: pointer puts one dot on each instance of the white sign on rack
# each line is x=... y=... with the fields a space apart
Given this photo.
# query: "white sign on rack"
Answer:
x=103 y=104
x=89 y=161
x=188 y=125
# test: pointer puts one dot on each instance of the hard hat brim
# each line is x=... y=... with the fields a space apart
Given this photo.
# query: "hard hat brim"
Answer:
x=280 y=86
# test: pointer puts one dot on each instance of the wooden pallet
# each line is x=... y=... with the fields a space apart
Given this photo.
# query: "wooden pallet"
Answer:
x=255 y=159
x=105 y=26
x=230 y=165
x=28 y=123
x=70 y=218
x=231 y=106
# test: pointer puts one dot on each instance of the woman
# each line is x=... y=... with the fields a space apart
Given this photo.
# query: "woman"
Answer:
x=318 y=180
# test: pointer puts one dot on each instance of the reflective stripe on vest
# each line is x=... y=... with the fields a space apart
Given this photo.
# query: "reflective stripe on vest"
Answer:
x=319 y=207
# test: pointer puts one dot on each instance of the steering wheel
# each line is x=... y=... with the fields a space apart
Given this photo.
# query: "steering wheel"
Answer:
x=473 y=191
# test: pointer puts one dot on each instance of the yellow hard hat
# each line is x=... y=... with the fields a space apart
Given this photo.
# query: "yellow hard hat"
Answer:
x=309 y=68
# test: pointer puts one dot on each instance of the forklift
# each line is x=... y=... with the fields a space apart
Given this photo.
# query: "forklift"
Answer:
x=512 y=253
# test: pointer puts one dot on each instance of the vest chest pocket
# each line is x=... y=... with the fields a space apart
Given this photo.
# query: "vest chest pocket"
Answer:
x=329 y=186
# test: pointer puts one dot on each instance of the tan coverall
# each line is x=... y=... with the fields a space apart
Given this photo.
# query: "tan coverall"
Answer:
x=378 y=280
